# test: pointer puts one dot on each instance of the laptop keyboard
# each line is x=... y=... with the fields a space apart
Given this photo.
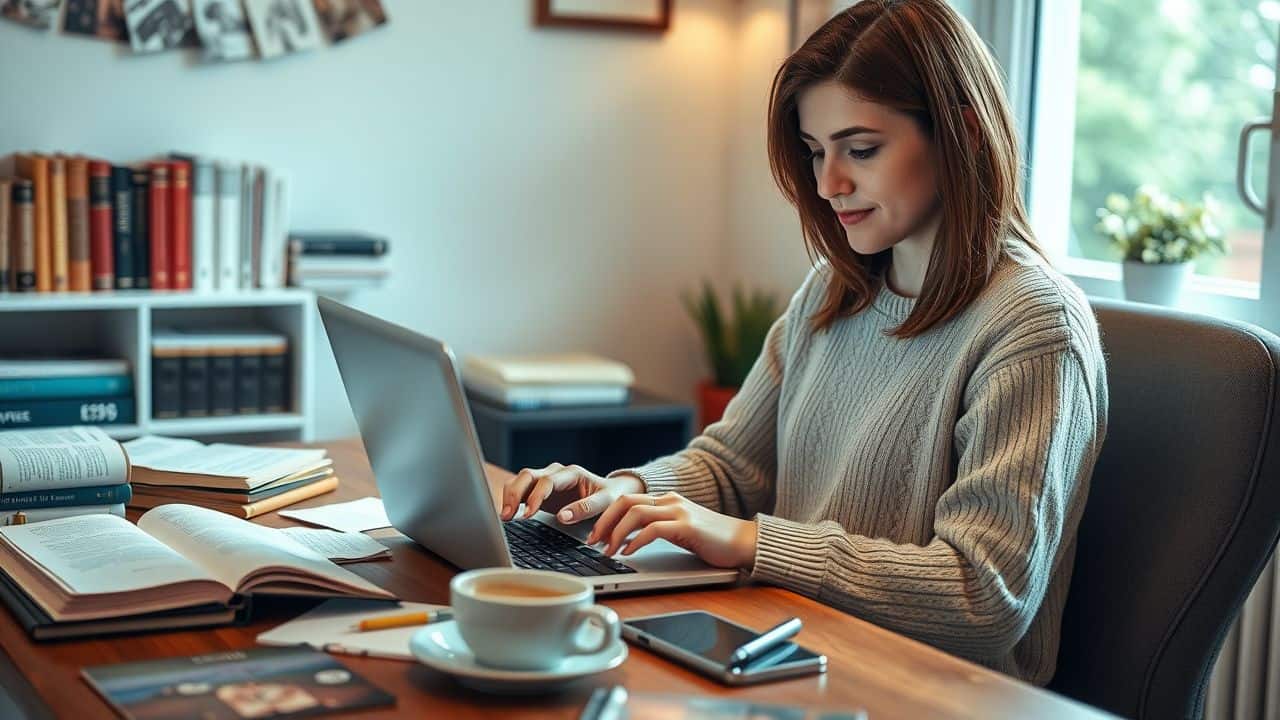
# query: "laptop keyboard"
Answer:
x=539 y=546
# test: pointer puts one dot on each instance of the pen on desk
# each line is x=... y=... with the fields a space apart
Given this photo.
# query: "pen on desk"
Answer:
x=394 y=621
x=770 y=639
x=605 y=704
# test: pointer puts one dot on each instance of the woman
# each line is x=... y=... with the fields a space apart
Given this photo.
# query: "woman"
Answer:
x=915 y=442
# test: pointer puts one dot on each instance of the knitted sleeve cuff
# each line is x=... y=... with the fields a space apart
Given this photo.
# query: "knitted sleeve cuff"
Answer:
x=790 y=554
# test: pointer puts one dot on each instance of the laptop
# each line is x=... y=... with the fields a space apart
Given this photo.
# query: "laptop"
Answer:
x=408 y=400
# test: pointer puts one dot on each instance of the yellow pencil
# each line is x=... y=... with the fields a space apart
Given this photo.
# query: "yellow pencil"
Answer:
x=394 y=621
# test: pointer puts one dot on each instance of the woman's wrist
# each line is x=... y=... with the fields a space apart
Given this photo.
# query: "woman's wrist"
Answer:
x=745 y=540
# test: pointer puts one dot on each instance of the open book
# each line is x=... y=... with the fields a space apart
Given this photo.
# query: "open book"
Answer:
x=94 y=567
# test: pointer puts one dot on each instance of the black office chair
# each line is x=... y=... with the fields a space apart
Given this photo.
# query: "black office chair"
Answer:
x=1183 y=511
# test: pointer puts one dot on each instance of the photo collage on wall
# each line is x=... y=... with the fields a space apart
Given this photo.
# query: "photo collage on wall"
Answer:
x=223 y=30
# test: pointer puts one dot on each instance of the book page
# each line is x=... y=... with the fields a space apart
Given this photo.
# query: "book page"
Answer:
x=231 y=549
x=239 y=461
x=90 y=554
x=60 y=458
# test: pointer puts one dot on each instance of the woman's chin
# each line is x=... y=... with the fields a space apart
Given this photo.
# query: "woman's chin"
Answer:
x=865 y=244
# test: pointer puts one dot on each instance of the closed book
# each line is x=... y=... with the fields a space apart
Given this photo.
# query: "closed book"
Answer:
x=79 y=273
x=275 y=379
x=248 y=227
x=102 y=266
x=68 y=497
x=46 y=460
x=147 y=497
x=180 y=225
x=248 y=381
x=35 y=167
x=159 y=225
x=122 y=223
x=324 y=243
x=195 y=384
x=530 y=397
x=141 y=228
x=275 y=228
x=552 y=369
x=42 y=367
x=239 y=496
x=340 y=265
x=162 y=461
x=204 y=228
x=53 y=413
x=24 y=236
x=228 y=227
x=167 y=351
x=9 y=516
x=6 y=233
x=58 y=234
x=65 y=387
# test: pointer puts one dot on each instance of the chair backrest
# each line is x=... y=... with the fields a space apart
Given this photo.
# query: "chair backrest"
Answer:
x=1183 y=509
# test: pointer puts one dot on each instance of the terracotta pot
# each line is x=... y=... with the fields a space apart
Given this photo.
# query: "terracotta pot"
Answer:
x=712 y=400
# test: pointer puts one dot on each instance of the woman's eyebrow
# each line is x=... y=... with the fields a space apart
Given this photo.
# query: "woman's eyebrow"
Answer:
x=854 y=130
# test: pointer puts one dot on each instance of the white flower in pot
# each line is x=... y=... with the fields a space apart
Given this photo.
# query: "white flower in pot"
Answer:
x=1158 y=237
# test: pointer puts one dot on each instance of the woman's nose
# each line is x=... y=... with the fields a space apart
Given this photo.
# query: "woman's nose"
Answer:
x=833 y=181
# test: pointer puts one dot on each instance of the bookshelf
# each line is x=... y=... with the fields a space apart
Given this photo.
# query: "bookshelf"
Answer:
x=119 y=324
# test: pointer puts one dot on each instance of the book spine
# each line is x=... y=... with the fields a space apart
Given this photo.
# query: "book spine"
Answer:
x=6 y=234
x=51 y=413
x=204 y=194
x=222 y=384
x=58 y=222
x=141 y=228
x=337 y=246
x=68 y=497
x=228 y=227
x=275 y=381
x=284 y=499
x=180 y=225
x=248 y=221
x=249 y=383
x=166 y=385
x=38 y=174
x=277 y=256
x=34 y=515
x=65 y=387
x=122 y=223
x=101 y=239
x=195 y=385
x=50 y=368
x=159 y=225
x=24 y=236
x=78 y=270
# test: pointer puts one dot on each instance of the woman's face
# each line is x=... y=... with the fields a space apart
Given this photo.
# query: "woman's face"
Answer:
x=873 y=164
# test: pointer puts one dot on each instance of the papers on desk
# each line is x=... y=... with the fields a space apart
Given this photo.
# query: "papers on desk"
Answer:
x=340 y=547
x=355 y=516
x=331 y=627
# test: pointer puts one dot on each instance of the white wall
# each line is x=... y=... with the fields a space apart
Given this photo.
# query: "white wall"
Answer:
x=542 y=189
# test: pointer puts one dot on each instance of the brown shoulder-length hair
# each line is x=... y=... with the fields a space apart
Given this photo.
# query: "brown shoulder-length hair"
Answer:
x=921 y=58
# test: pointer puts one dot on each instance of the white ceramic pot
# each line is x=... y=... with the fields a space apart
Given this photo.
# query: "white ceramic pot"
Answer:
x=1155 y=283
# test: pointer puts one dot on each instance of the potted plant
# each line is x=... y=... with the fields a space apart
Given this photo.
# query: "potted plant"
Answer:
x=1158 y=237
x=732 y=343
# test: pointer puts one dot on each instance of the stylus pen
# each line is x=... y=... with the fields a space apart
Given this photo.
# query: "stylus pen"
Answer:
x=772 y=638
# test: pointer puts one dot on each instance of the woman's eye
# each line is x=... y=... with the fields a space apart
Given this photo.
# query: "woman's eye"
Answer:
x=863 y=154
x=813 y=155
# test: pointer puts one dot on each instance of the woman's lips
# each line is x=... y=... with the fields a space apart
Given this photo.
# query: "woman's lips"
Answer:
x=854 y=217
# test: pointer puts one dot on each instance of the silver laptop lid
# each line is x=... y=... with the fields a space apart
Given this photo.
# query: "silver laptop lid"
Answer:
x=418 y=432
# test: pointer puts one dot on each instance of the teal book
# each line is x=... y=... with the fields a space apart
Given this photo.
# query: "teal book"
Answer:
x=52 y=413
x=65 y=387
x=69 y=497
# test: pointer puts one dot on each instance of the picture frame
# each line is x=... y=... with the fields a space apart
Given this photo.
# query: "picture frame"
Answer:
x=644 y=16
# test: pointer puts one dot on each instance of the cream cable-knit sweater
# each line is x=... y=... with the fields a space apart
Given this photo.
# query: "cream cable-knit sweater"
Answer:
x=931 y=485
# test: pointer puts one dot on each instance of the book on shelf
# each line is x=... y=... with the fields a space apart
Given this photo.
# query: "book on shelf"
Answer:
x=6 y=233
x=542 y=395
x=203 y=199
x=179 y=224
x=248 y=223
x=27 y=388
x=277 y=682
x=336 y=243
x=548 y=369
x=141 y=213
x=34 y=167
x=58 y=221
x=52 y=367
x=74 y=570
x=23 y=240
x=228 y=226
x=79 y=270
x=122 y=223
x=37 y=413
x=198 y=373
x=101 y=230
x=48 y=392
x=158 y=224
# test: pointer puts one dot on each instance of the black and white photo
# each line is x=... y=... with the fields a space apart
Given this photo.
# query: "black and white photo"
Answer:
x=281 y=27
x=38 y=14
x=223 y=29
x=156 y=24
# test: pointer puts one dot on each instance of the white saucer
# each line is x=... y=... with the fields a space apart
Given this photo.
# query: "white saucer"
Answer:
x=439 y=646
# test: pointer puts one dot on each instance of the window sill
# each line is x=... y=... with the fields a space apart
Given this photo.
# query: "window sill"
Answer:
x=1099 y=275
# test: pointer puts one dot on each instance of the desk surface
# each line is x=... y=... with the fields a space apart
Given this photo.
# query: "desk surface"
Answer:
x=885 y=673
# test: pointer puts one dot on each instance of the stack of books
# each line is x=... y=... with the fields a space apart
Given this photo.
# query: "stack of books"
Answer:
x=525 y=382
x=337 y=261
x=49 y=392
x=203 y=373
x=173 y=222
x=57 y=473
x=241 y=480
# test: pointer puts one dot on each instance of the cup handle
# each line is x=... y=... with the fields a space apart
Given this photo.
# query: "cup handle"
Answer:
x=596 y=615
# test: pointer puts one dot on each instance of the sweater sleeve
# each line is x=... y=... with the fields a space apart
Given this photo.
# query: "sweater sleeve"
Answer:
x=731 y=466
x=1026 y=443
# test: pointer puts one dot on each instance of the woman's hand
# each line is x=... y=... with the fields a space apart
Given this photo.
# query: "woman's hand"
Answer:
x=565 y=483
x=720 y=540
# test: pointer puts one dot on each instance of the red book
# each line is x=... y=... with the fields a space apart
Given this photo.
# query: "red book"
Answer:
x=159 y=225
x=180 y=225
x=101 y=234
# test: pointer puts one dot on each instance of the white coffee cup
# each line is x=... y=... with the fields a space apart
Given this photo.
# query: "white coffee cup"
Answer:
x=521 y=619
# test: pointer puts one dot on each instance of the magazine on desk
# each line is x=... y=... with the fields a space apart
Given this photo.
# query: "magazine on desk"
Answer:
x=180 y=566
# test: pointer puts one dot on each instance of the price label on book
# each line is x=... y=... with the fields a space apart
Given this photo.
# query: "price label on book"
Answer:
x=98 y=412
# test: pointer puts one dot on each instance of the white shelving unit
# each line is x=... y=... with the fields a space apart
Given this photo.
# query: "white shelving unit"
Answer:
x=119 y=324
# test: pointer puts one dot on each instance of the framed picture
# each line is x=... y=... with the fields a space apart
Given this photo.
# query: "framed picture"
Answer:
x=646 y=15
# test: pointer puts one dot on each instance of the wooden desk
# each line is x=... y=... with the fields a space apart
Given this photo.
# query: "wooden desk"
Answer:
x=887 y=674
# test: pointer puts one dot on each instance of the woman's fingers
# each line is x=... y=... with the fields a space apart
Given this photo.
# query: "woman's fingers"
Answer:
x=670 y=530
x=637 y=517
x=587 y=507
x=613 y=513
x=517 y=488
